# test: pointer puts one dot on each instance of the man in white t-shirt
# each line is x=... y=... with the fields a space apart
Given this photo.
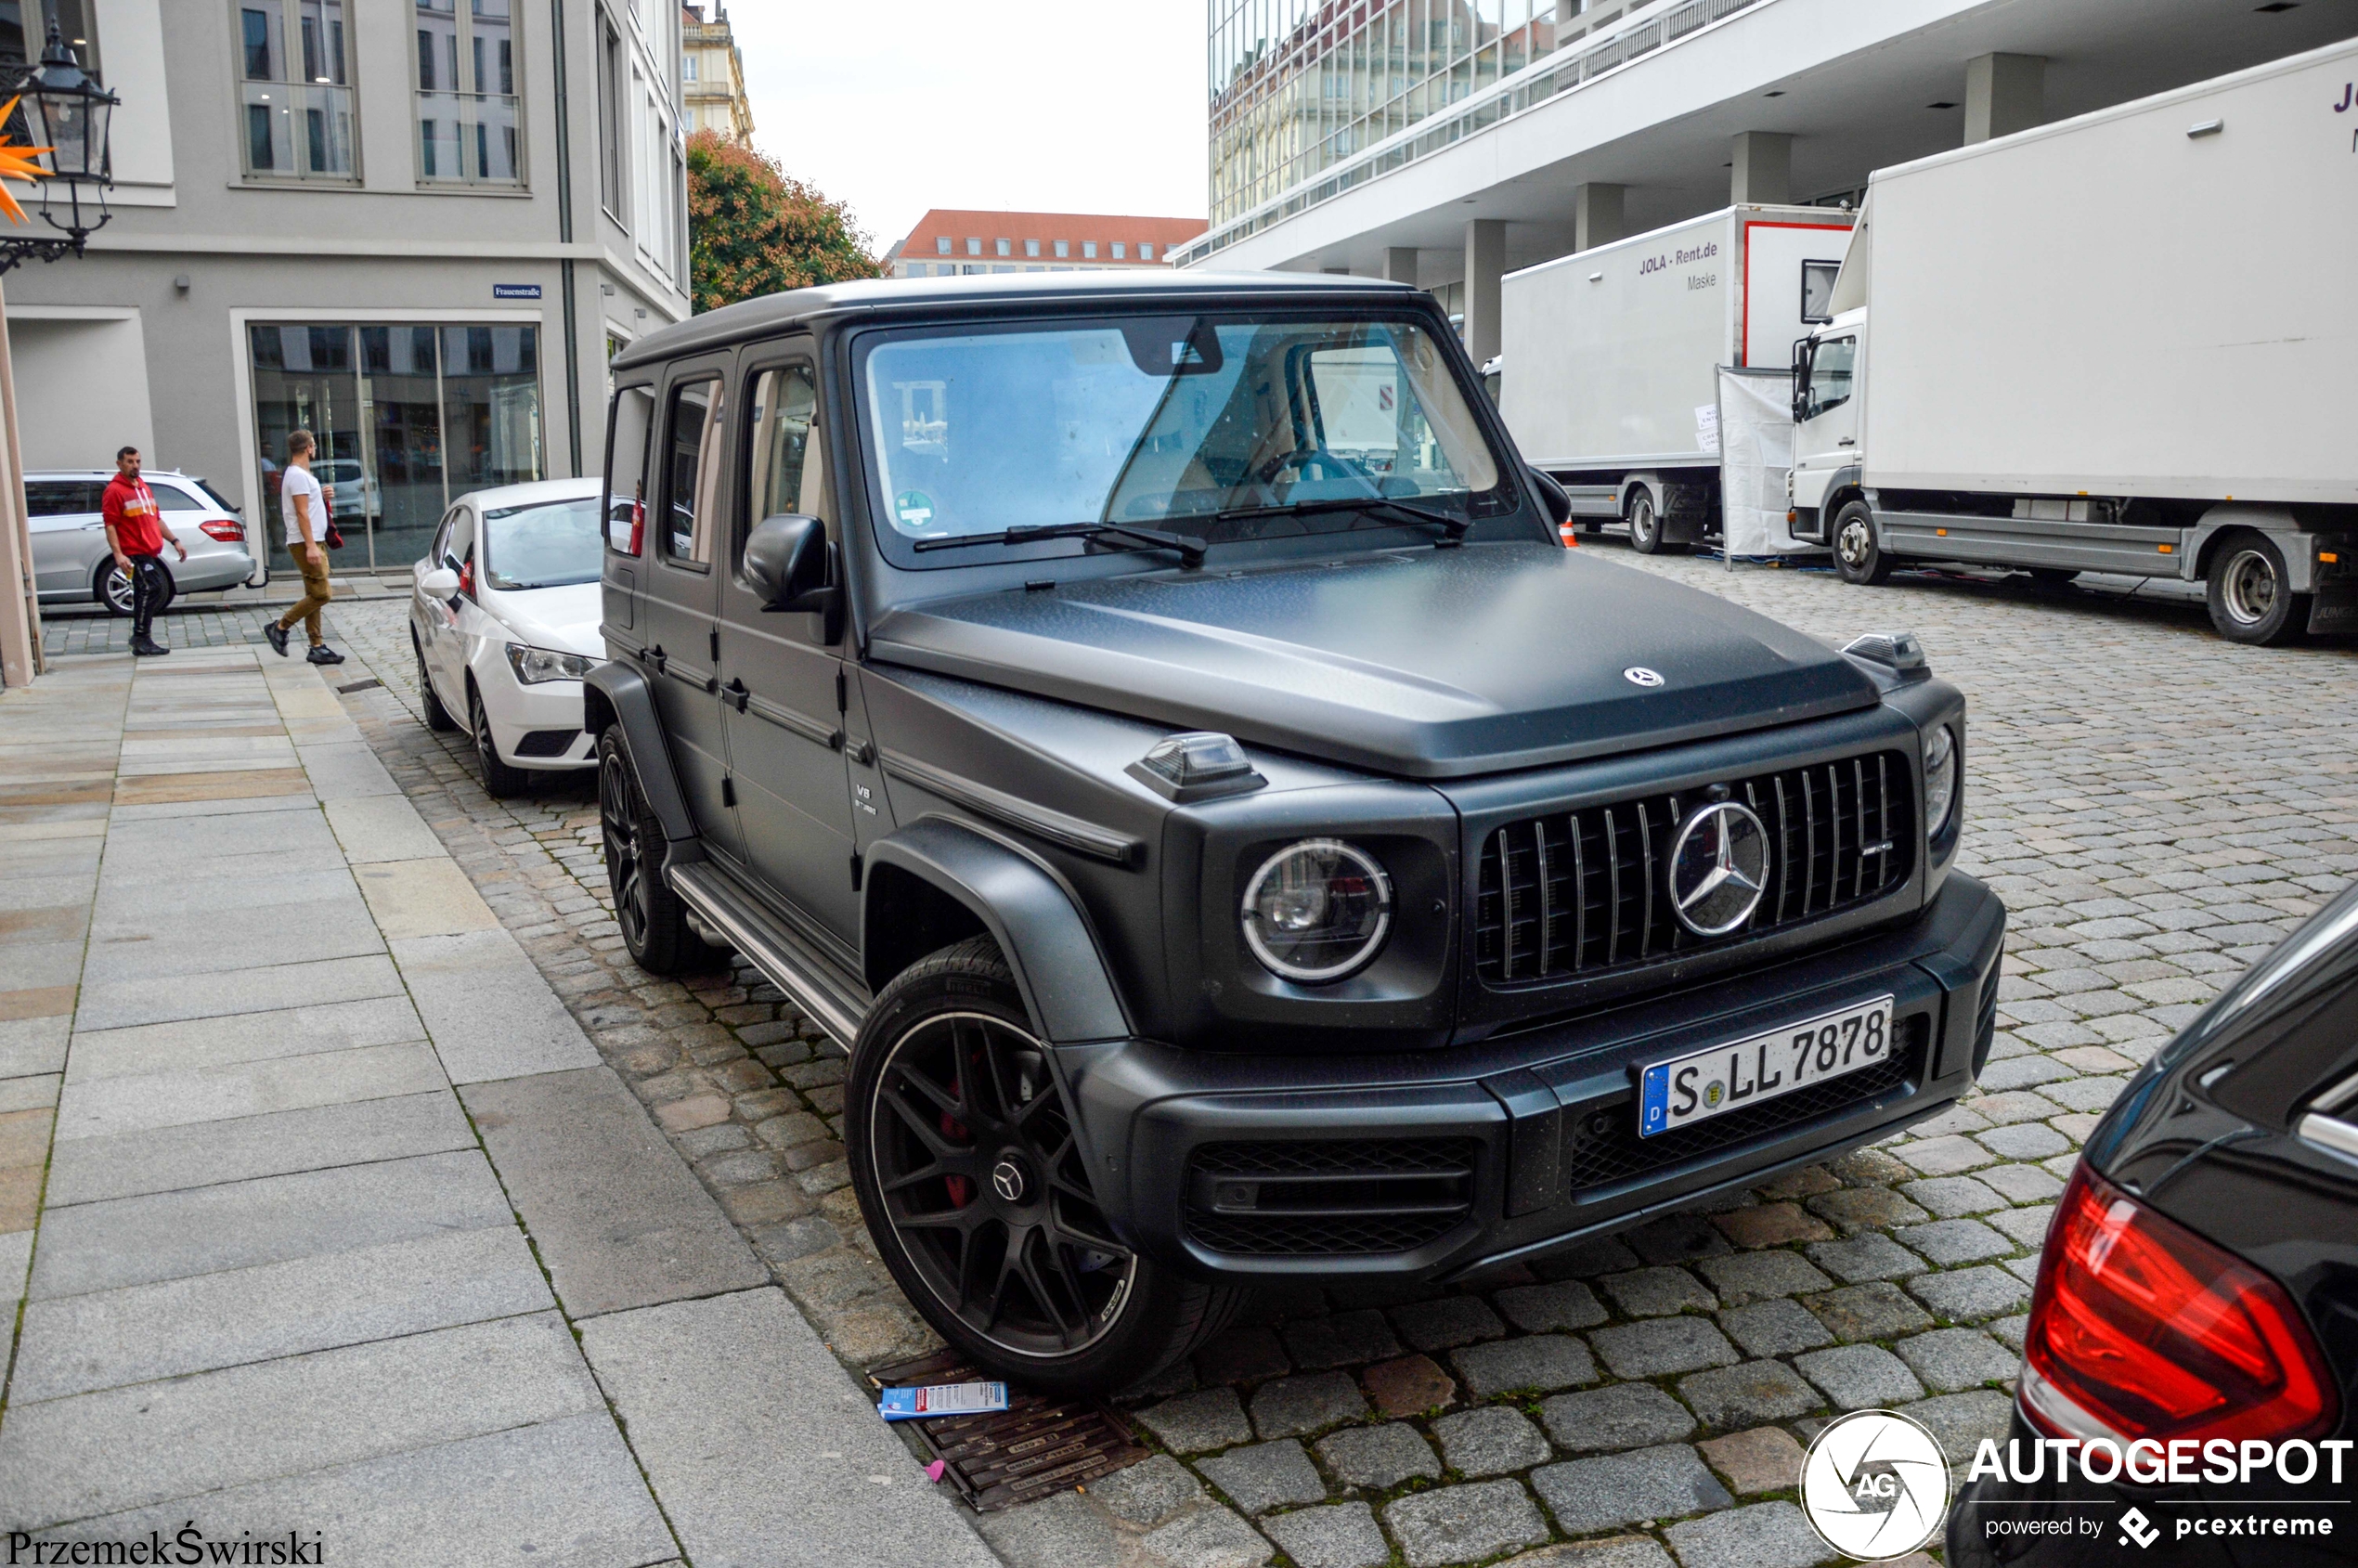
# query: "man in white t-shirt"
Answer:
x=302 y=502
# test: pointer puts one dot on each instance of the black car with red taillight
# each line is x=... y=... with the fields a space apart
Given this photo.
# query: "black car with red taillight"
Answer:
x=2194 y=1328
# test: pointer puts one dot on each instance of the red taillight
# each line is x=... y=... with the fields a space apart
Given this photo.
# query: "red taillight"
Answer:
x=224 y=530
x=2142 y=1328
x=467 y=578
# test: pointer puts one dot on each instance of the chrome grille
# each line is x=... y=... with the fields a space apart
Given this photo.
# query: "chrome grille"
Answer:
x=1578 y=893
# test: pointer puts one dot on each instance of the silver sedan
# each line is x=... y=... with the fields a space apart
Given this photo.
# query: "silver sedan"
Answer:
x=72 y=564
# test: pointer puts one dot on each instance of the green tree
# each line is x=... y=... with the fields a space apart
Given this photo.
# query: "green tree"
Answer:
x=752 y=231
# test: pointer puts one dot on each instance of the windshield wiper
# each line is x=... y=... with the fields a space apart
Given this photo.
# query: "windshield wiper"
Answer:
x=1191 y=550
x=1458 y=526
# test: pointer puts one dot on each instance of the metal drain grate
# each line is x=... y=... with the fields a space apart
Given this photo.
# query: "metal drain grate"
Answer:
x=1032 y=1449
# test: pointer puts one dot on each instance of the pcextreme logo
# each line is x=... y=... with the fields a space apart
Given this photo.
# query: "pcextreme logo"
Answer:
x=1874 y=1485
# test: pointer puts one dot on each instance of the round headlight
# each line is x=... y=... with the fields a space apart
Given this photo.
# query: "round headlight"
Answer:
x=1317 y=910
x=1940 y=780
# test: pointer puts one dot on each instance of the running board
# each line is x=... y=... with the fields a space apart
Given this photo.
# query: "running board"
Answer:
x=817 y=985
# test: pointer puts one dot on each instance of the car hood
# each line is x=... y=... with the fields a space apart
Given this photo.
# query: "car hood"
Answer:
x=1421 y=664
x=563 y=619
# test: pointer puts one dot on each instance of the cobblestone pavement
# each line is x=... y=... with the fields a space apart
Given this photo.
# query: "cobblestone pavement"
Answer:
x=212 y=620
x=2157 y=806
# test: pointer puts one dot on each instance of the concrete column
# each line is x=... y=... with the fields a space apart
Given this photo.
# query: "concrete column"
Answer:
x=2003 y=94
x=1595 y=215
x=1762 y=168
x=1400 y=263
x=1485 y=263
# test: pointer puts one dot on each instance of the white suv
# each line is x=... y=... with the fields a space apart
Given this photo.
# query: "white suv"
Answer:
x=504 y=614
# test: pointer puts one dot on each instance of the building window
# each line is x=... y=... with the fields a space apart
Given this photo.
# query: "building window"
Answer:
x=942 y=244
x=467 y=122
x=1064 y=247
x=973 y=247
x=1089 y=249
x=1145 y=251
x=1120 y=251
x=1032 y=247
x=610 y=101
x=407 y=417
x=296 y=90
x=687 y=68
x=1003 y=247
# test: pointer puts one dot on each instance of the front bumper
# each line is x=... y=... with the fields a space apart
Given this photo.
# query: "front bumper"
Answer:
x=1437 y=1163
x=537 y=726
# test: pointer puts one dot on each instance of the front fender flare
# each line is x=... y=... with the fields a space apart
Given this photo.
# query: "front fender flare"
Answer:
x=1027 y=909
x=615 y=695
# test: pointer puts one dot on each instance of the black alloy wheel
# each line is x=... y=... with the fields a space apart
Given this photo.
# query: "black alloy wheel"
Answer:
x=974 y=1189
x=500 y=779
x=655 y=923
x=1858 y=555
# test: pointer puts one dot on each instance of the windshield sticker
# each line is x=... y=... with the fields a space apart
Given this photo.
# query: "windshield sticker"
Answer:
x=914 y=509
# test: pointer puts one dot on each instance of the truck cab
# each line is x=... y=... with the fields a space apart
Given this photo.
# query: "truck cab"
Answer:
x=1828 y=369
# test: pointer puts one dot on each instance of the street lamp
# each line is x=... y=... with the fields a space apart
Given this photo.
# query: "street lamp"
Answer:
x=69 y=114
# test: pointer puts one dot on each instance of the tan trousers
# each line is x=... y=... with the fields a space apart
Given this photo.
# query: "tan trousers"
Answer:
x=315 y=595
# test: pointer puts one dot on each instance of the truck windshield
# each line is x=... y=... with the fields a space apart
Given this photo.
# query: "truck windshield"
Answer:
x=1168 y=422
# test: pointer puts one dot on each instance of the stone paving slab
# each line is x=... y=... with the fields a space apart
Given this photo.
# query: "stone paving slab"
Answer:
x=106 y=1339
x=196 y=1043
x=620 y=1223
x=153 y=1101
x=281 y=1143
x=489 y=1012
x=121 y=1003
x=762 y=1447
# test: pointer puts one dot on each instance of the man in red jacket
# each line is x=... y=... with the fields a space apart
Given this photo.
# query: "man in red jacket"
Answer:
x=136 y=533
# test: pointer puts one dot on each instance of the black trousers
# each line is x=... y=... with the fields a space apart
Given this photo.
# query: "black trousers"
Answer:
x=146 y=592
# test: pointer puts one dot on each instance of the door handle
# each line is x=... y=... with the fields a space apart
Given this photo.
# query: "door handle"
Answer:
x=737 y=692
x=1847 y=441
x=654 y=656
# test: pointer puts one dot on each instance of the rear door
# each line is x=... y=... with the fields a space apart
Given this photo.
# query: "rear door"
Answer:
x=782 y=674
x=680 y=629
x=447 y=652
x=68 y=536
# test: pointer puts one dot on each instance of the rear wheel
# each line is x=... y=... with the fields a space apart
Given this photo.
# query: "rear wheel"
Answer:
x=654 y=924
x=438 y=716
x=111 y=587
x=2251 y=597
x=964 y=1154
x=1857 y=553
x=500 y=779
x=1645 y=526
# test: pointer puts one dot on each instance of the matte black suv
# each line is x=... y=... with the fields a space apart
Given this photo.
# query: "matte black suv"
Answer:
x=1158 y=729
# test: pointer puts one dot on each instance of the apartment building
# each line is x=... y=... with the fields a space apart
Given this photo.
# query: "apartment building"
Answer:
x=954 y=242
x=712 y=73
x=417 y=228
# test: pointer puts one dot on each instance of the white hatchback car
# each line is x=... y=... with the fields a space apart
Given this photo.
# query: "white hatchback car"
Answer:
x=504 y=614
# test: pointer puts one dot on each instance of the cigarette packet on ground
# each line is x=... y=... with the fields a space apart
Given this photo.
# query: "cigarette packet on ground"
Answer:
x=941 y=1399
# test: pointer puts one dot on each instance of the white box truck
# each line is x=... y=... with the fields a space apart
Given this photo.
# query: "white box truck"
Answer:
x=1609 y=377
x=2124 y=342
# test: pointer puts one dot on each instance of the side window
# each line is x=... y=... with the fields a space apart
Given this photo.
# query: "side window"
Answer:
x=459 y=553
x=692 y=478
x=1830 y=371
x=50 y=499
x=171 y=498
x=784 y=464
x=626 y=429
x=439 y=554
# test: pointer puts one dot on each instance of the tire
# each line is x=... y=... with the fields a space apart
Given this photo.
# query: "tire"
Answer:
x=110 y=586
x=2051 y=577
x=1857 y=553
x=655 y=923
x=500 y=779
x=437 y=717
x=2249 y=596
x=1645 y=526
x=986 y=1217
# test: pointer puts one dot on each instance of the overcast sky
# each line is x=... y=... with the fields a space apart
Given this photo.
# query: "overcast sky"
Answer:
x=1088 y=106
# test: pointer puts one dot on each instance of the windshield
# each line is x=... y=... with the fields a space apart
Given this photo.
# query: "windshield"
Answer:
x=1168 y=422
x=553 y=544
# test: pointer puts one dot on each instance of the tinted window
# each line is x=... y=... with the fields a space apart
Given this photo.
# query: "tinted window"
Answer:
x=546 y=546
x=784 y=480
x=171 y=498
x=692 y=442
x=627 y=431
x=61 y=498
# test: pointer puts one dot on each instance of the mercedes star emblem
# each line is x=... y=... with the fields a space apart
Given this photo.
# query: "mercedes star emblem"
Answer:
x=1007 y=1180
x=1718 y=868
x=1639 y=675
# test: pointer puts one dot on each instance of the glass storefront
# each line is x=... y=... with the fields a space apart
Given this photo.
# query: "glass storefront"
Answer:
x=408 y=417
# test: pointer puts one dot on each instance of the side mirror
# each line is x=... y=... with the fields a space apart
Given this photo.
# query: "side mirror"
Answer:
x=1552 y=497
x=1801 y=350
x=786 y=565
x=440 y=583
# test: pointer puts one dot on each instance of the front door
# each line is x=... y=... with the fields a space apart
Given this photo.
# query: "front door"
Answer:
x=781 y=688
x=1825 y=440
x=681 y=636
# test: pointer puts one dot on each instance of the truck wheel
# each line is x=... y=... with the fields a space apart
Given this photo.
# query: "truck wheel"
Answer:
x=2249 y=599
x=654 y=924
x=1858 y=553
x=963 y=1156
x=1645 y=526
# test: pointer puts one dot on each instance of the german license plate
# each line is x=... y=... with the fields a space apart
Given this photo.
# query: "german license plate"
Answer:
x=1685 y=1090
